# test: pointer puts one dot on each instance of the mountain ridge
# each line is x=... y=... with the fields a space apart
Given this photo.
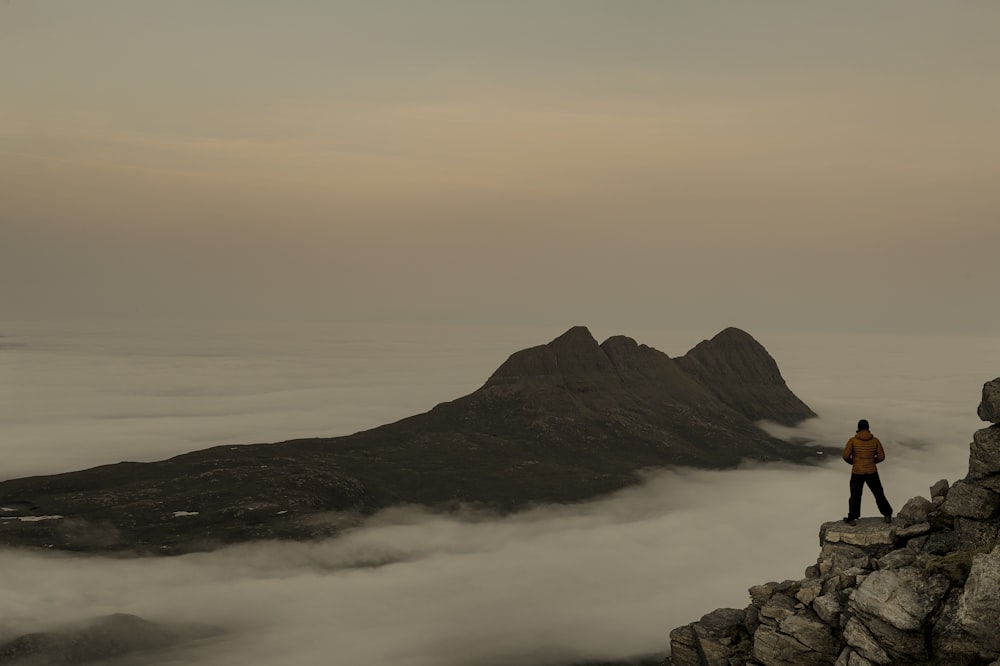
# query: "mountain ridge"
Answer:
x=560 y=422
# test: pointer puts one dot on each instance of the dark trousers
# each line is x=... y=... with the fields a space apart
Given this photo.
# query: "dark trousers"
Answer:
x=858 y=482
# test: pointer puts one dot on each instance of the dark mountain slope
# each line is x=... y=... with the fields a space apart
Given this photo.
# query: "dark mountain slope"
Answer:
x=740 y=372
x=555 y=423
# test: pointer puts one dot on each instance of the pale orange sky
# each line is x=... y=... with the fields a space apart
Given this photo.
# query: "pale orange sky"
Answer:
x=633 y=164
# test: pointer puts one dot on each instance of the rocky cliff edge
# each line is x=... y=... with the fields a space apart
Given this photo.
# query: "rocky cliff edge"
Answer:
x=924 y=589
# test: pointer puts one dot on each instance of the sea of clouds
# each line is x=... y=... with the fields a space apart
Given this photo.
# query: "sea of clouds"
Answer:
x=557 y=584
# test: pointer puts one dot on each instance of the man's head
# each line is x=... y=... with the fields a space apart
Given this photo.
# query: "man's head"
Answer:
x=862 y=425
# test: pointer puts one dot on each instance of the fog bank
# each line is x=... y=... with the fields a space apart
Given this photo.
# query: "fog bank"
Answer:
x=596 y=580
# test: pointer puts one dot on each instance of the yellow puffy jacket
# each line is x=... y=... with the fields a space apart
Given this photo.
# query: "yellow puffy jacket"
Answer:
x=863 y=452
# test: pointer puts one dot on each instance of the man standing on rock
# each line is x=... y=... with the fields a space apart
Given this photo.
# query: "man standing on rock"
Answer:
x=863 y=452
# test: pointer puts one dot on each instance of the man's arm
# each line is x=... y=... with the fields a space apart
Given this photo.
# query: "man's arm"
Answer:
x=848 y=454
x=879 y=452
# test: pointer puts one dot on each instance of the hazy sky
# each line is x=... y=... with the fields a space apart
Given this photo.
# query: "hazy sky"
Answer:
x=765 y=164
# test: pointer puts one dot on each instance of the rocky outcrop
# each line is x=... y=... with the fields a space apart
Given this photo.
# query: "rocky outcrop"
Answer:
x=989 y=408
x=560 y=422
x=740 y=372
x=924 y=589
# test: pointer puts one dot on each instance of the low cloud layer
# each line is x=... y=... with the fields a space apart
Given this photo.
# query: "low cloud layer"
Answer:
x=556 y=584
x=603 y=579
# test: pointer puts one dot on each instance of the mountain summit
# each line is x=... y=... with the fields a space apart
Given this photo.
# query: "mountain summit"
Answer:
x=559 y=422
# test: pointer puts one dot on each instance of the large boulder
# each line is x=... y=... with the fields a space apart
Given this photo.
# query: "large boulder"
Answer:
x=978 y=612
x=901 y=597
x=989 y=408
x=984 y=458
x=710 y=641
x=971 y=500
x=799 y=640
x=915 y=511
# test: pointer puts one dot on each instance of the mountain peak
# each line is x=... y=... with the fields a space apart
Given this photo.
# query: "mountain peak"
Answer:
x=574 y=352
x=742 y=374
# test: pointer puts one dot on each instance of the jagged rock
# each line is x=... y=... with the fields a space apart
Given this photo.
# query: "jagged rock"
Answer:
x=752 y=618
x=939 y=489
x=851 y=658
x=897 y=559
x=901 y=597
x=919 y=529
x=777 y=608
x=684 y=646
x=989 y=408
x=973 y=534
x=835 y=558
x=903 y=647
x=939 y=543
x=915 y=511
x=984 y=458
x=978 y=612
x=711 y=641
x=829 y=607
x=809 y=590
x=970 y=500
x=799 y=640
x=948 y=641
x=858 y=637
x=761 y=594
x=832 y=584
x=718 y=633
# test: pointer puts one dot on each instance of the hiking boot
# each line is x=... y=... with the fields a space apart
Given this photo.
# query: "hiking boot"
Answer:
x=850 y=521
x=888 y=518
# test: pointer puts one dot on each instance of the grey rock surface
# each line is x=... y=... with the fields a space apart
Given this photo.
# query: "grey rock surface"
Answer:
x=913 y=531
x=915 y=511
x=797 y=641
x=939 y=489
x=984 y=458
x=858 y=637
x=989 y=408
x=978 y=612
x=897 y=559
x=867 y=533
x=684 y=647
x=901 y=597
x=829 y=607
x=970 y=500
